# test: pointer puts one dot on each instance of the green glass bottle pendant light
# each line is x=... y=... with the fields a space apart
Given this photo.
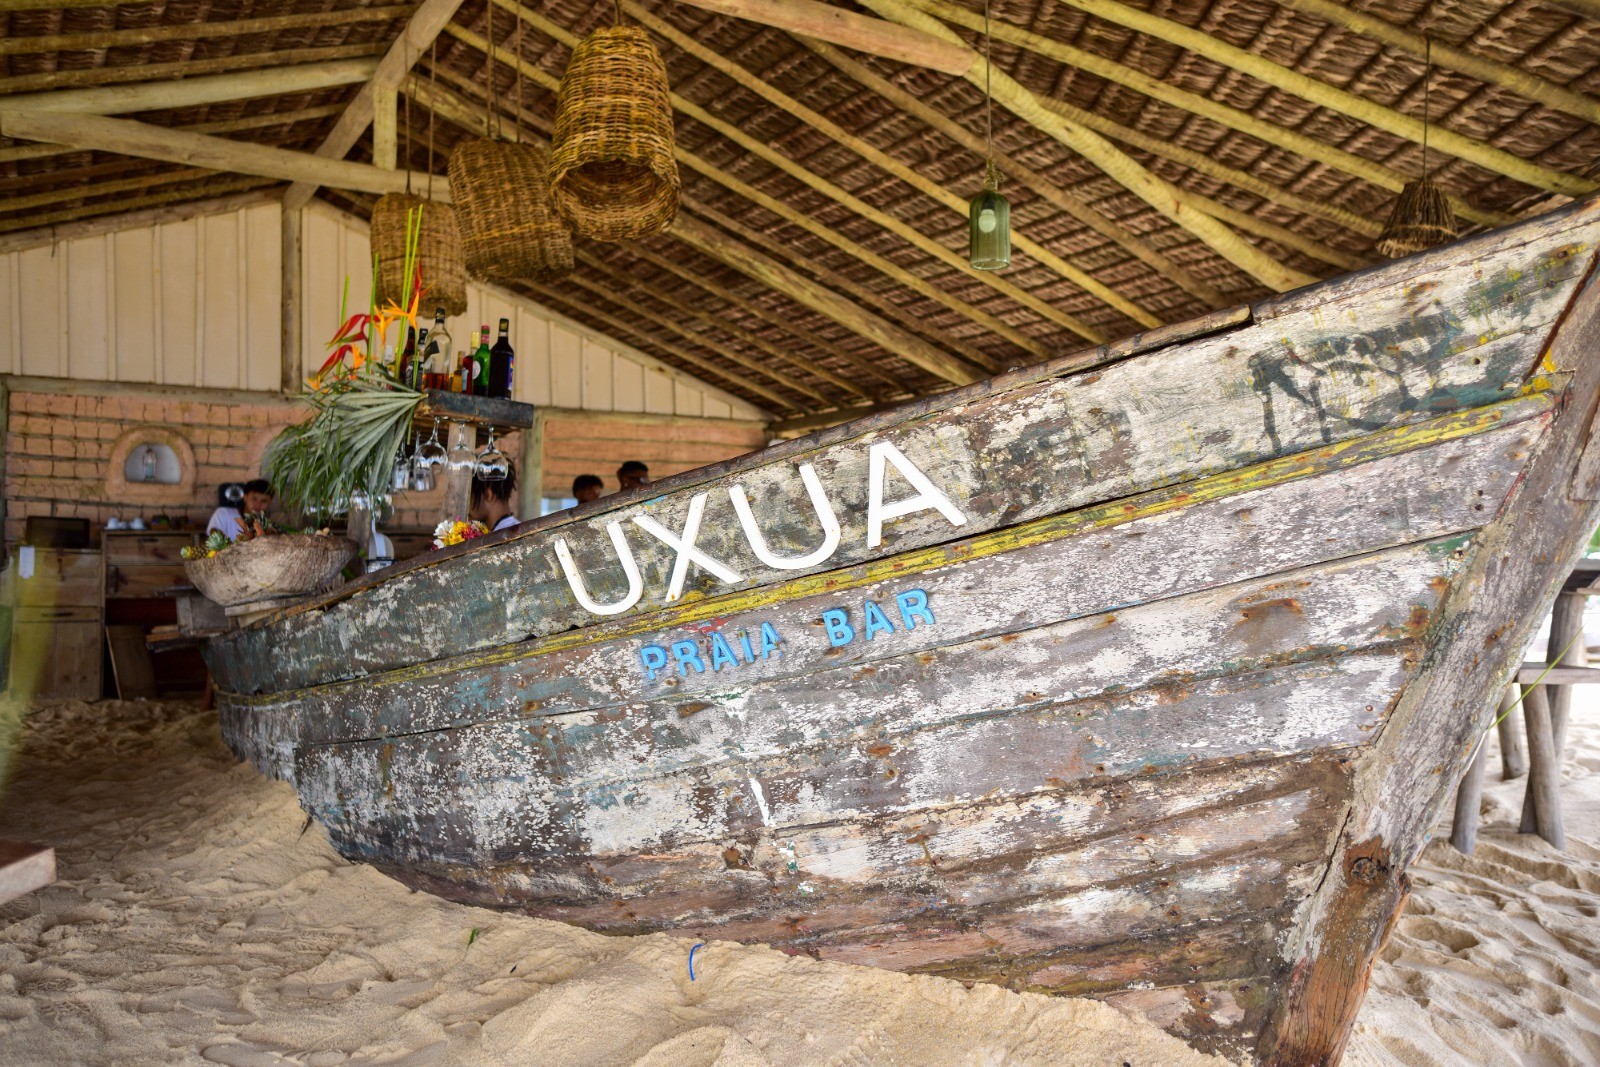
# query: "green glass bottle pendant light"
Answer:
x=989 y=214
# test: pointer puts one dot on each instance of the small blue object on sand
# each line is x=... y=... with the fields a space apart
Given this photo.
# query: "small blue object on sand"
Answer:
x=692 y=951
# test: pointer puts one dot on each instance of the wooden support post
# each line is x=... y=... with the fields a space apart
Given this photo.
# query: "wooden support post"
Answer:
x=1544 y=770
x=5 y=428
x=292 y=299
x=1469 y=795
x=531 y=470
x=384 y=126
x=1513 y=742
x=1565 y=648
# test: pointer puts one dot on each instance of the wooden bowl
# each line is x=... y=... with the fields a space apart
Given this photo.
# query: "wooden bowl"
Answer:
x=269 y=568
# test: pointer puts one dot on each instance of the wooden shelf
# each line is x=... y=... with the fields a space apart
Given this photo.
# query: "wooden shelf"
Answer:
x=480 y=411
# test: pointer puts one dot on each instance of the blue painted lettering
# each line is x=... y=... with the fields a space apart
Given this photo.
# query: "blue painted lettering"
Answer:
x=687 y=653
x=914 y=605
x=770 y=640
x=837 y=622
x=875 y=621
x=655 y=657
x=744 y=643
x=721 y=654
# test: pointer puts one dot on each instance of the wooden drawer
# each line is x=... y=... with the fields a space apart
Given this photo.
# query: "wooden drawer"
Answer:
x=60 y=578
x=159 y=580
x=59 y=613
x=56 y=661
x=146 y=547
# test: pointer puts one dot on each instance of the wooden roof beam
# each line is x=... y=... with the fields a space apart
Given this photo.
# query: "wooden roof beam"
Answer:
x=1495 y=160
x=1121 y=167
x=1232 y=118
x=1491 y=71
x=854 y=31
x=126 y=206
x=197 y=150
x=852 y=317
x=737 y=333
x=907 y=346
x=887 y=163
x=855 y=204
x=160 y=76
x=249 y=122
x=1014 y=168
x=197 y=92
x=98 y=40
x=430 y=18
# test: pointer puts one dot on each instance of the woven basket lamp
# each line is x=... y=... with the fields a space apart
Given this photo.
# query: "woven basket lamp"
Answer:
x=509 y=228
x=612 y=170
x=439 y=256
x=1421 y=219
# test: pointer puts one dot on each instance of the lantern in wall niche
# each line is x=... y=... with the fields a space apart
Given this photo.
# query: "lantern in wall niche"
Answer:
x=438 y=253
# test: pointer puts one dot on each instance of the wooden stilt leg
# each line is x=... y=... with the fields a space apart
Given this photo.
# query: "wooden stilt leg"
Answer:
x=1513 y=742
x=1566 y=633
x=1469 y=796
x=1544 y=772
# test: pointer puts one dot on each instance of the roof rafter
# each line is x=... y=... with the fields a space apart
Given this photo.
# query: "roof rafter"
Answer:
x=195 y=31
x=1243 y=121
x=847 y=28
x=1346 y=103
x=887 y=163
x=249 y=122
x=430 y=18
x=150 y=75
x=1121 y=167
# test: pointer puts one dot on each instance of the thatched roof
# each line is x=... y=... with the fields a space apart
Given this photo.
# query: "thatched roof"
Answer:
x=1305 y=183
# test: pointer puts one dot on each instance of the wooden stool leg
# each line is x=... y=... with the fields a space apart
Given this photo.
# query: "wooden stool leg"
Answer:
x=1513 y=743
x=1544 y=771
x=1566 y=648
x=1469 y=796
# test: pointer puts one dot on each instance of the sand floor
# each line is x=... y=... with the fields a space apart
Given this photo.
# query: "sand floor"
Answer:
x=198 y=918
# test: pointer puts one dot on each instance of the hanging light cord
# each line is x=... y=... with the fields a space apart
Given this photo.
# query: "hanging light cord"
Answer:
x=991 y=176
x=516 y=68
x=433 y=74
x=1427 y=89
x=490 y=109
x=405 y=157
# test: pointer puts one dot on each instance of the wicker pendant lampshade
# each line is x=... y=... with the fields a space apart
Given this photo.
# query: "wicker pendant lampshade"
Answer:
x=1421 y=219
x=613 y=173
x=439 y=256
x=510 y=231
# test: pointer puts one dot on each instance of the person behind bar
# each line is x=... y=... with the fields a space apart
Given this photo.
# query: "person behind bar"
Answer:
x=633 y=475
x=587 y=487
x=257 y=500
x=490 y=502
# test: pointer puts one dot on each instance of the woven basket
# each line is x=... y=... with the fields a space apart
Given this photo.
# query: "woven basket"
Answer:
x=1421 y=219
x=444 y=276
x=612 y=169
x=509 y=229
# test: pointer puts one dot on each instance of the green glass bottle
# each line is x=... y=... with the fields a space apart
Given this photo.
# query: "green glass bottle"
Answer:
x=480 y=364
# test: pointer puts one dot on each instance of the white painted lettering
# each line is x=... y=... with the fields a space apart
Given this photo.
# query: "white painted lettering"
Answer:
x=629 y=568
x=928 y=494
x=825 y=515
x=684 y=547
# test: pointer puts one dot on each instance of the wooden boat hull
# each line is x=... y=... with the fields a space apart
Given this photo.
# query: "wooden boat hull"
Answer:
x=1151 y=693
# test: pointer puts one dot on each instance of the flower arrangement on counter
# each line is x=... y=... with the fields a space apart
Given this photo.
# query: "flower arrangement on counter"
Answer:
x=361 y=410
x=454 y=531
x=256 y=526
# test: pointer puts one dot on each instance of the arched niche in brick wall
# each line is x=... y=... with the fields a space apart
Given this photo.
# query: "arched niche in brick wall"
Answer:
x=123 y=490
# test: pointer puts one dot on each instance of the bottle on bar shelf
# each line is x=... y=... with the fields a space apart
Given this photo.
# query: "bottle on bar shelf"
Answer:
x=465 y=372
x=437 y=355
x=480 y=364
x=408 y=356
x=502 y=363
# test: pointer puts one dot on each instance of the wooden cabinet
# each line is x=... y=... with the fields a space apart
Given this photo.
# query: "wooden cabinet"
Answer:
x=146 y=563
x=54 y=597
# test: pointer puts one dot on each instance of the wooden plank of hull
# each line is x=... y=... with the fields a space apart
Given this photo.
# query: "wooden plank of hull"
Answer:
x=1464 y=333
x=1426 y=493
x=1403 y=781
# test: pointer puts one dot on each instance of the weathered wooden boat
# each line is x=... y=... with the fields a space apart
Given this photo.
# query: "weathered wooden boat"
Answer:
x=1142 y=674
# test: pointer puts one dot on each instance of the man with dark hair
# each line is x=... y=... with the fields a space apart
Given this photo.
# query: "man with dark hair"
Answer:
x=257 y=501
x=633 y=475
x=587 y=487
x=490 y=502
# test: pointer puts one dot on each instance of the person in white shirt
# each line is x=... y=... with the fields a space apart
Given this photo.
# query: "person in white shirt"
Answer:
x=490 y=502
x=230 y=521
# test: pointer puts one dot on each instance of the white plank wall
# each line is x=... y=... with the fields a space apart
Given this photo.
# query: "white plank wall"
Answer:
x=195 y=303
x=559 y=362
